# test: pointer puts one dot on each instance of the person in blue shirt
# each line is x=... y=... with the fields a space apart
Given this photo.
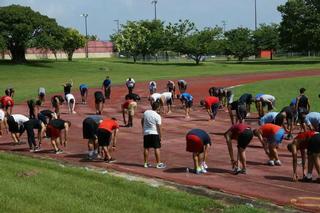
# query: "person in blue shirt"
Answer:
x=106 y=86
x=84 y=93
x=268 y=118
x=187 y=100
x=312 y=121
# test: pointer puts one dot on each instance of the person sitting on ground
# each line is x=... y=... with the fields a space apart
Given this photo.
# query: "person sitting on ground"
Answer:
x=84 y=93
x=99 y=102
x=152 y=87
x=171 y=87
x=106 y=86
x=7 y=104
x=15 y=125
x=187 y=101
x=182 y=86
x=71 y=102
x=152 y=134
x=107 y=130
x=42 y=95
x=130 y=83
x=243 y=134
x=89 y=131
x=29 y=126
x=128 y=107
x=211 y=104
x=198 y=142
x=240 y=111
x=301 y=142
x=270 y=136
x=53 y=131
x=56 y=102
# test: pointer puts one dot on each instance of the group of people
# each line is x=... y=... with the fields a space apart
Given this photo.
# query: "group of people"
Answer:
x=101 y=133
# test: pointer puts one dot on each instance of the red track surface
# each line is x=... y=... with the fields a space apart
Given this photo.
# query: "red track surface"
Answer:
x=262 y=181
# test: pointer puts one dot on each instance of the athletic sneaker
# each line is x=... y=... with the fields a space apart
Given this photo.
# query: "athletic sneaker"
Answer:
x=31 y=150
x=203 y=170
x=198 y=171
x=147 y=165
x=161 y=166
x=277 y=163
x=204 y=165
x=236 y=170
x=37 y=149
x=59 y=151
x=111 y=160
x=271 y=163
x=306 y=179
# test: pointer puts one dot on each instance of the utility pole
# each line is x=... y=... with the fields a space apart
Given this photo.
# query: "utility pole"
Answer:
x=224 y=24
x=155 y=8
x=85 y=15
x=118 y=25
x=255 y=15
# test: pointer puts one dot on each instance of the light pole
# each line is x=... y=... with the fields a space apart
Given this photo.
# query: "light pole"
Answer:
x=224 y=24
x=155 y=8
x=85 y=15
x=255 y=14
x=118 y=25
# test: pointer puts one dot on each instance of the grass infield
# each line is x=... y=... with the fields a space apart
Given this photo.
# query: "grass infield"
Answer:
x=33 y=185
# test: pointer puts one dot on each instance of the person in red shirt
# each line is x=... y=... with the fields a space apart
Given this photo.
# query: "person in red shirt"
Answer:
x=243 y=134
x=128 y=107
x=211 y=103
x=107 y=129
x=301 y=142
x=270 y=135
x=7 y=104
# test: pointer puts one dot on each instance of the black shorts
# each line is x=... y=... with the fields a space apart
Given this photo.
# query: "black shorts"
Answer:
x=314 y=145
x=151 y=141
x=83 y=91
x=89 y=129
x=241 y=111
x=12 y=125
x=245 y=138
x=169 y=101
x=234 y=105
x=104 y=137
x=189 y=104
x=99 y=97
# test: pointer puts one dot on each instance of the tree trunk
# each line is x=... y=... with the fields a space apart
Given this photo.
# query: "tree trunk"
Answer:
x=271 y=55
x=197 y=59
x=18 y=54
x=70 y=54
x=167 y=56
x=134 y=59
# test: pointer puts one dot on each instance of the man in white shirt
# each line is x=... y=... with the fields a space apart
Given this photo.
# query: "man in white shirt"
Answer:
x=265 y=100
x=151 y=124
x=130 y=83
x=15 y=125
x=166 y=99
x=71 y=102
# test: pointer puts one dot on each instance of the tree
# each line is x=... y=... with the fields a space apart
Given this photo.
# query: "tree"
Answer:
x=239 y=43
x=131 y=39
x=300 y=25
x=3 y=46
x=72 y=40
x=19 y=25
x=267 y=37
x=201 y=43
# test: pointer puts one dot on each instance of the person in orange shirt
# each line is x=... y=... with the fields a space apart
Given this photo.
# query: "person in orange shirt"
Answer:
x=270 y=135
x=211 y=103
x=128 y=107
x=7 y=104
x=107 y=130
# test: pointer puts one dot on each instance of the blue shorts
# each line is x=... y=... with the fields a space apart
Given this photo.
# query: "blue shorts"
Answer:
x=277 y=138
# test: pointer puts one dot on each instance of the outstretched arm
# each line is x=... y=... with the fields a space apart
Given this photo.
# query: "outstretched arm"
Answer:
x=227 y=136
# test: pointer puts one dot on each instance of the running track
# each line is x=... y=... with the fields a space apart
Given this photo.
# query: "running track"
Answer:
x=262 y=181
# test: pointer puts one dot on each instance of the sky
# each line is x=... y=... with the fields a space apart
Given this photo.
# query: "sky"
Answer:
x=103 y=13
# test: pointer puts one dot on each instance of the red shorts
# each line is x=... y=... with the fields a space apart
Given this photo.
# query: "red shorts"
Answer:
x=194 y=144
x=52 y=132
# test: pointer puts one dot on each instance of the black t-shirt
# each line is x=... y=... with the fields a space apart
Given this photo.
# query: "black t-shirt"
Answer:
x=57 y=123
x=246 y=98
x=47 y=113
x=288 y=111
x=32 y=124
x=303 y=101
x=67 y=88
x=98 y=95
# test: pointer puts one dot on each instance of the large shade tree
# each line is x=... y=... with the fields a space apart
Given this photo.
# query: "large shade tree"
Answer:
x=72 y=40
x=21 y=27
x=239 y=43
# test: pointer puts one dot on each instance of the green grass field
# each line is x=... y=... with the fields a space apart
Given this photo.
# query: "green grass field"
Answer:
x=31 y=185
x=285 y=90
x=26 y=79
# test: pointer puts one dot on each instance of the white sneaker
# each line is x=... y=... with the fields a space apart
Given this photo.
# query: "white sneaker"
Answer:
x=277 y=163
x=204 y=165
x=203 y=170
x=161 y=166
x=271 y=163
